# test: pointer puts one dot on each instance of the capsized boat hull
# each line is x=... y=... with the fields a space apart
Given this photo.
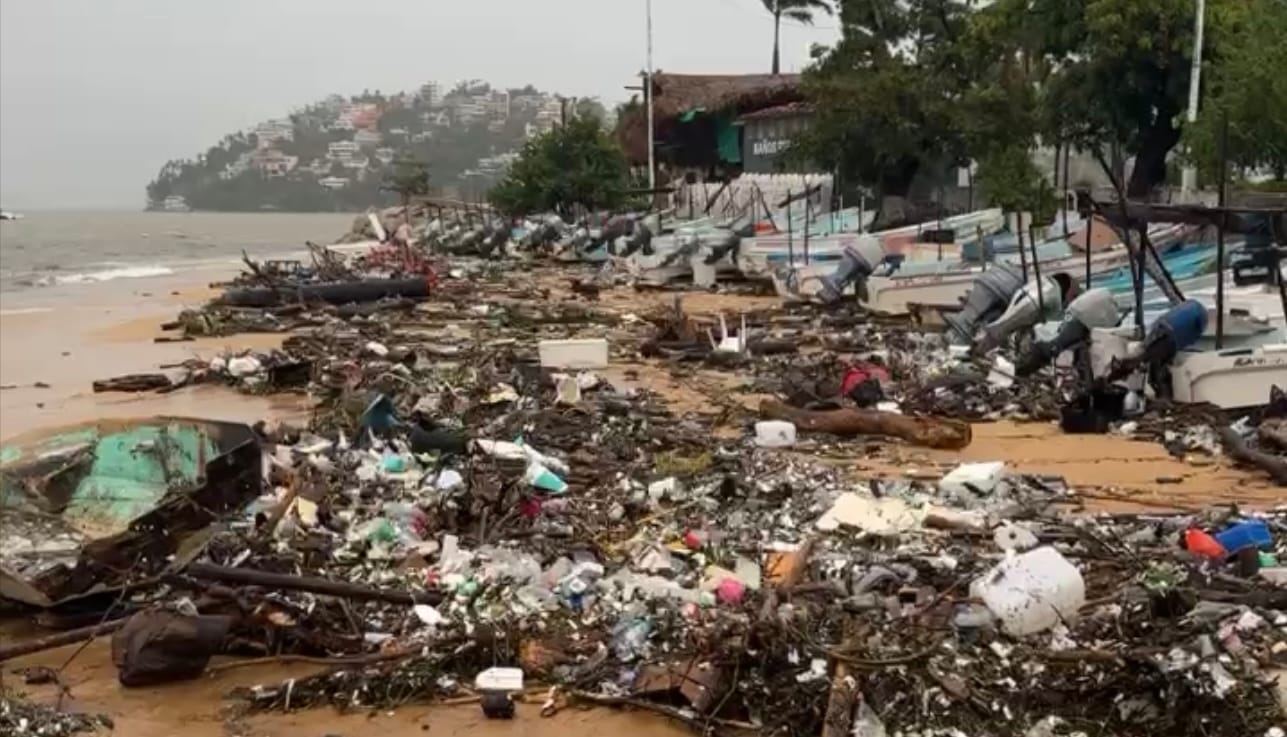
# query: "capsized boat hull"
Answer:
x=79 y=507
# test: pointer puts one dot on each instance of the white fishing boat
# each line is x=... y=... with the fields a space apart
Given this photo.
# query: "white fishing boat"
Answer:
x=949 y=283
x=1231 y=378
x=771 y=254
x=827 y=239
x=6 y=215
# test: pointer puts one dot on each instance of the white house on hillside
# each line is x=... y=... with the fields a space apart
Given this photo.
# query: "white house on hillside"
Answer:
x=367 y=137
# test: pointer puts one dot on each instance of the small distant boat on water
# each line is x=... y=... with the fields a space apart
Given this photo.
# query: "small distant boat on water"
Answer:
x=6 y=215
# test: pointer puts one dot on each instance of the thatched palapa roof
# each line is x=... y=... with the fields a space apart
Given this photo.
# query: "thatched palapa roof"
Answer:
x=676 y=94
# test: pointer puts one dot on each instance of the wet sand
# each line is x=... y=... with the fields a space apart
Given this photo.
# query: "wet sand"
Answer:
x=67 y=340
x=108 y=330
x=201 y=708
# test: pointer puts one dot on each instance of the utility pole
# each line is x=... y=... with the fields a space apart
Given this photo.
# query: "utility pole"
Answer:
x=652 y=161
x=1189 y=177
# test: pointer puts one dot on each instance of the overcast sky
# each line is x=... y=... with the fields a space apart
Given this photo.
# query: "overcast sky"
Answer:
x=95 y=95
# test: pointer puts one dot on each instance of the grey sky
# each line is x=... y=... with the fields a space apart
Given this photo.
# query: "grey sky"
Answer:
x=96 y=94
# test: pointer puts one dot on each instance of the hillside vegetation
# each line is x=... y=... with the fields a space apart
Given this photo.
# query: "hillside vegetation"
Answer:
x=334 y=155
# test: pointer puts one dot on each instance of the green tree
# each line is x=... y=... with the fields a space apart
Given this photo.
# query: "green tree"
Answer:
x=578 y=164
x=888 y=96
x=408 y=178
x=590 y=107
x=1248 y=87
x=1118 y=73
x=801 y=11
x=1012 y=182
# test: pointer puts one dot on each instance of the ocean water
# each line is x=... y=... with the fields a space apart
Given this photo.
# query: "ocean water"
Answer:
x=68 y=249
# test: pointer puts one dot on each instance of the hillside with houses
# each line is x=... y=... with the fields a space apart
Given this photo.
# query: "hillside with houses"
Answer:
x=334 y=155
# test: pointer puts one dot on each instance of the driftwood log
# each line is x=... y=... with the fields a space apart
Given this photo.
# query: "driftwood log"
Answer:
x=49 y=642
x=839 y=718
x=930 y=432
x=342 y=589
x=1239 y=451
x=132 y=383
x=1274 y=430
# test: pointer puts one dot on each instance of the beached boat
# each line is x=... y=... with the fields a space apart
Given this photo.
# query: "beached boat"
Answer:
x=1232 y=378
x=770 y=254
x=945 y=283
x=81 y=506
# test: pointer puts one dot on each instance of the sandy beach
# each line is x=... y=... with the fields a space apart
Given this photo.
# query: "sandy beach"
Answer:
x=55 y=346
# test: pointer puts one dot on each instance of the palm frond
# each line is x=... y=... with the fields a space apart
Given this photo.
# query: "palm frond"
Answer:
x=807 y=5
x=799 y=16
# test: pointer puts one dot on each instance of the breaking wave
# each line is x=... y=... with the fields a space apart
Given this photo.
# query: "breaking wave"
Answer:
x=93 y=277
x=25 y=311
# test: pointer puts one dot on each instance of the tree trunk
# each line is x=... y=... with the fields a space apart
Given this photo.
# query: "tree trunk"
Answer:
x=894 y=186
x=777 y=36
x=1150 y=160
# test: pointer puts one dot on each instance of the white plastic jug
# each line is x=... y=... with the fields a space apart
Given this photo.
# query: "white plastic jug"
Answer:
x=1032 y=592
x=774 y=434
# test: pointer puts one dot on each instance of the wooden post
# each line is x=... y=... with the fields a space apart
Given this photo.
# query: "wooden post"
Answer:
x=1224 y=164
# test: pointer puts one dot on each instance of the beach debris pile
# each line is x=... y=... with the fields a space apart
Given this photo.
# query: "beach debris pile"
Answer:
x=719 y=583
x=495 y=478
x=21 y=717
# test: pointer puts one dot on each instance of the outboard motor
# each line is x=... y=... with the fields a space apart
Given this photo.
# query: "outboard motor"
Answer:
x=1029 y=307
x=495 y=242
x=575 y=242
x=1180 y=327
x=473 y=236
x=988 y=297
x=640 y=238
x=856 y=264
x=725 y=243
x=1093 y=309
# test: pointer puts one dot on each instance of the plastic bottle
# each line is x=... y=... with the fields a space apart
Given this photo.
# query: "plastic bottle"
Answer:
x=630 y=637
x=1200 y=543
x=1032 y=592
x=409 y=520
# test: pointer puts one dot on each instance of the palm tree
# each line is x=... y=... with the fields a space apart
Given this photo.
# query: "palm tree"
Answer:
x=797 y=10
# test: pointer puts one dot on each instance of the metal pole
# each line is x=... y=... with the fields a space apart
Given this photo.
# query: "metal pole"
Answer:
x=1139 y=281
x=652 y=157
x=1064 y=209
x=1023 y=255
x=1189 y=177
x=1090 y=224
x=808 y=210
x=1036 y=268
x=790 y=241
x=1224 y=176
x=984 y=256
